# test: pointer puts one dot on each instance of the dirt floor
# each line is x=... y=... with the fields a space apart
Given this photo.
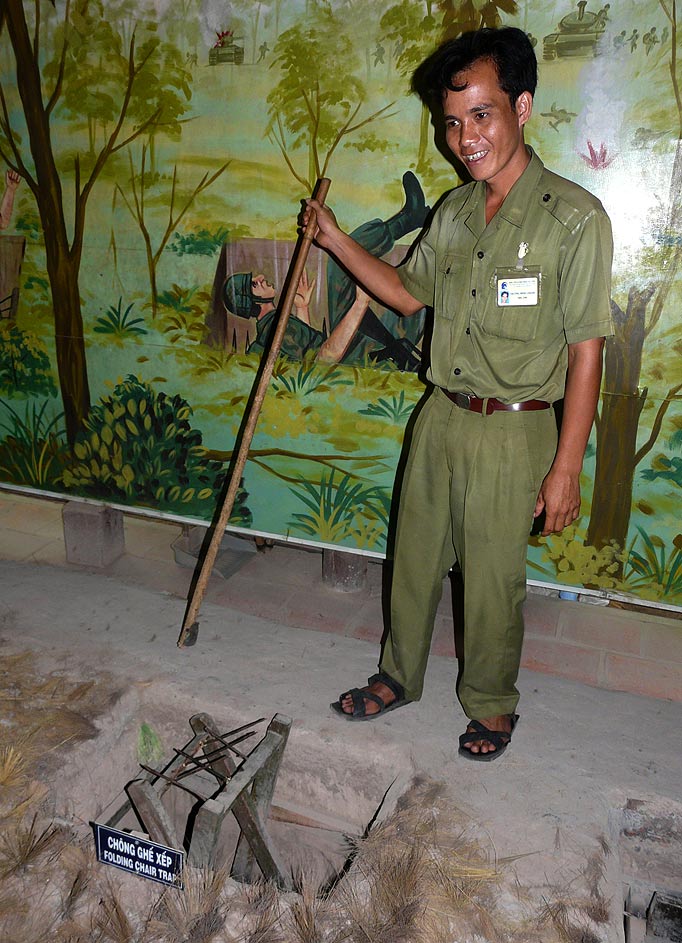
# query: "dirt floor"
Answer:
x=540 y=845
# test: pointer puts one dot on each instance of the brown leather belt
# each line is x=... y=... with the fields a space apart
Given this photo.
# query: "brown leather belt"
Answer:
x=464 y=401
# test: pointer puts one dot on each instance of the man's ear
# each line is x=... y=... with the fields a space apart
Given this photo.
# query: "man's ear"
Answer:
x=524 y=107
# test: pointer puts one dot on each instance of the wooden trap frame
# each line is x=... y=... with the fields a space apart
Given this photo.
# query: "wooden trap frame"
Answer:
x=206 y=768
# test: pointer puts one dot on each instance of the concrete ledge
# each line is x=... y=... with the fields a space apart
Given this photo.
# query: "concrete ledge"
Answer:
x=611 y=648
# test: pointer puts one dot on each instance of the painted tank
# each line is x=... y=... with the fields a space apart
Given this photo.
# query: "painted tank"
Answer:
x=577 y=35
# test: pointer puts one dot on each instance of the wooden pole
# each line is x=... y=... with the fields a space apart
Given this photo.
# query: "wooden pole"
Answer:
x=190 y=628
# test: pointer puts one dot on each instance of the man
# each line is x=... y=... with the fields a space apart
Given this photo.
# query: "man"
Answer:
x=484 y=457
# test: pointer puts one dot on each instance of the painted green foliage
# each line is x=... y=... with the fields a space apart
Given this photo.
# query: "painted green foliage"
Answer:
x=142 y=163
x=118 y=322
x=24 y=363
x=315 y=108
x=138 y=447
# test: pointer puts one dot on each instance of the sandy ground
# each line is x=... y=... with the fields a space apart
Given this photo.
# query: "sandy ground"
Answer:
x=591 y=781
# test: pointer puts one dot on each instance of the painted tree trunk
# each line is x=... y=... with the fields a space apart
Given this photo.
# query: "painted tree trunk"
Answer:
x=622 y=404
x=424 y=137
x=63 y=261
x=70 y=345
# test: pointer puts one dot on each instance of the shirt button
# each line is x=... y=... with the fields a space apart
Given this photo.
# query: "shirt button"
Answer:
x=473 y=292
x=457 y=371
x=480 y=254
x=546 y=198
x=468 y=331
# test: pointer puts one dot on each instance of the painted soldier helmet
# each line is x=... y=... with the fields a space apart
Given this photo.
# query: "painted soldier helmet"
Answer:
x=238 y=296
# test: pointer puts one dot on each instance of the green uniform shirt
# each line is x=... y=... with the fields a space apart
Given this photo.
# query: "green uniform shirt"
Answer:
x=549 y=232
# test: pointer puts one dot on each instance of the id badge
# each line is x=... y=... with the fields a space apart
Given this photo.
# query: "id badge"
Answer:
x=518 y=287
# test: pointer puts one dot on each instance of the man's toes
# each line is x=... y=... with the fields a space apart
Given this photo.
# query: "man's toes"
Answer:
x=482 y=746
x=370 y=706
x=347 y=705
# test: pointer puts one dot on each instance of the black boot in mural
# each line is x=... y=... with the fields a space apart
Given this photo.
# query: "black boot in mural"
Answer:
x=414 y=212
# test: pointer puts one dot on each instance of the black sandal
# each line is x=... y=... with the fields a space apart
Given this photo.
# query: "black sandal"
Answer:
x=500 y=739
x=360 y=696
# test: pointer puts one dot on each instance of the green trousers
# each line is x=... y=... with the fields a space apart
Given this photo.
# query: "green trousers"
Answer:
x=468 y=495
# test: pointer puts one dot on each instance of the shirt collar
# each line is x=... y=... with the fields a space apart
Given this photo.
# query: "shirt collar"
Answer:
x=473 y=211
x=519 y=198
x=517 y=201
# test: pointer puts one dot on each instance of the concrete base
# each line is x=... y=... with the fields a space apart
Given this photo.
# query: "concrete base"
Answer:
x=345 y=572
x=93 y=534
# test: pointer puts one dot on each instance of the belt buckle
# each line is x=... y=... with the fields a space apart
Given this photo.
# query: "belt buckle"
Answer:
x=467 y=397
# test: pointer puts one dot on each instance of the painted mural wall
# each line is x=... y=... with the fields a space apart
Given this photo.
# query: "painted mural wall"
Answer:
x=155 y=156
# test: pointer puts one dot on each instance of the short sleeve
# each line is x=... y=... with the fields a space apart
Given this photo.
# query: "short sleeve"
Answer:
x=418 y=272
x=585 y=280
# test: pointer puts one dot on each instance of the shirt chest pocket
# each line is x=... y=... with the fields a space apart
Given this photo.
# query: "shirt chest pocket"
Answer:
x=501 y=317
x=452 y=283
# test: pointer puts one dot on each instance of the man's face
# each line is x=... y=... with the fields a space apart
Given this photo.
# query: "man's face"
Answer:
x=483 y=130
x=262 y=289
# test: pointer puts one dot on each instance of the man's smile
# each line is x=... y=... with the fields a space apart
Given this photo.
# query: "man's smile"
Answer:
x=477 y=156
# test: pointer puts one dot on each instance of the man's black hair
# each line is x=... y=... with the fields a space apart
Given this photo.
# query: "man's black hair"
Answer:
x=508 y=48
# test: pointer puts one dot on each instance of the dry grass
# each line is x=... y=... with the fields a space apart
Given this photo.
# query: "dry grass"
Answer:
x=17 y=802
x=76 y=865
x=70 y=931
x=568 y=922
x=112 y=923
x=193 y=915
x=595 y=871
x=576 y=918
x=79 y=886
x=43 y=712
x=18 y=929
x=416 y=875
x=13 y=767
x=28 y=916
x=260 y=907
x=598 y=909
x=46 y=880
x=21 y=845
x=309 y=913
x=387 y=907
x=10 y=906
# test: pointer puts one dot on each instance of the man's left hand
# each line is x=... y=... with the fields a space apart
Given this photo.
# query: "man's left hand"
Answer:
x=560 y=499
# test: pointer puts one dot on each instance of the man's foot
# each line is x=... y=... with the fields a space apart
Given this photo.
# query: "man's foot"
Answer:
x=488 y=738
x=371 y=707
x=380 y=695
